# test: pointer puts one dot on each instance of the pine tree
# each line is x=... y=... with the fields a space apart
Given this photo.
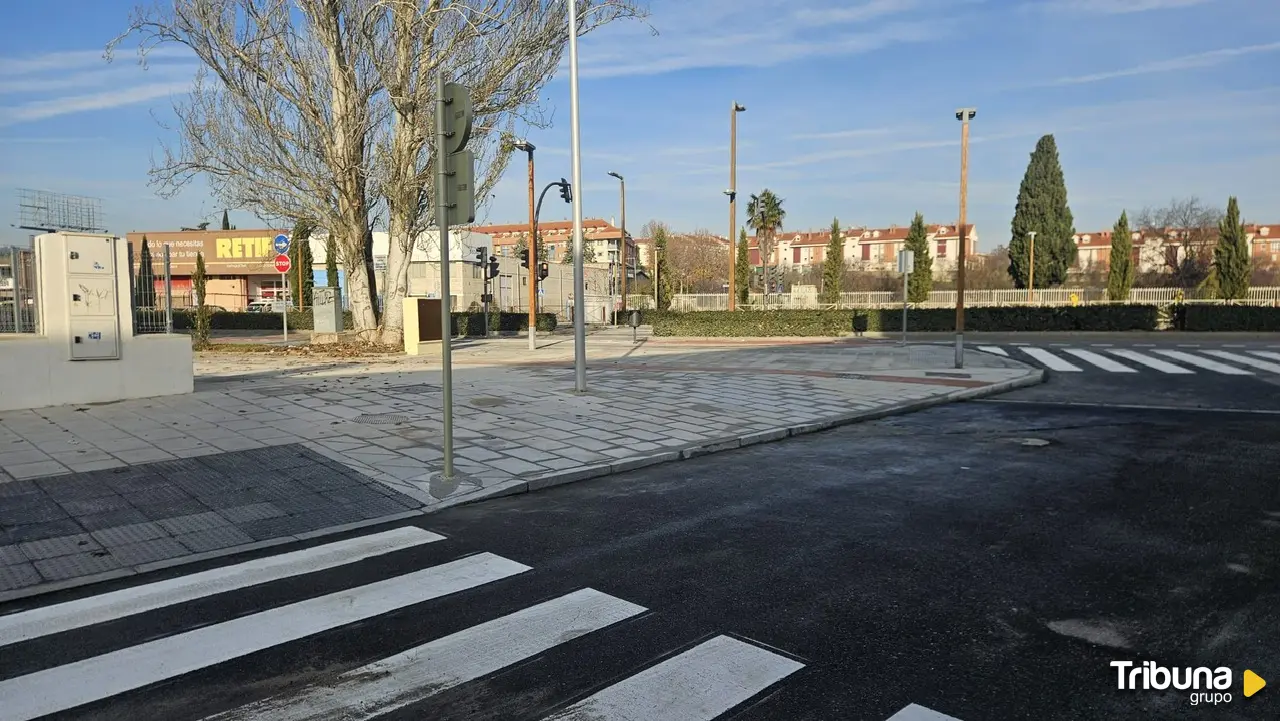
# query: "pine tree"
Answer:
x=1120 y=268
x=1042 y=208
x=226 y=221
x=145 y=289
x=742 y=269
x=920 y=284
x=302 y=260
x=199 y=281
x=1231 y=256
x=833 y=265
x=664 y=268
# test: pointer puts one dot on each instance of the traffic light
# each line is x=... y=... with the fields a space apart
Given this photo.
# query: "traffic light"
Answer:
x=524 y=258
x=544 y=269
x=458 y=115
x=566 y=191
x=480 y=253
x=493 y=266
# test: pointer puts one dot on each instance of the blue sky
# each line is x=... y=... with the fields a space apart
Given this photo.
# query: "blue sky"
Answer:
x=850 y=110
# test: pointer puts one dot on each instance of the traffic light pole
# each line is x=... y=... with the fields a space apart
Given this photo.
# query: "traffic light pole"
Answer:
x=446 y=315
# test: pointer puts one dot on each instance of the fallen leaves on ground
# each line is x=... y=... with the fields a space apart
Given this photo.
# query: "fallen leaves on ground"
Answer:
x=323 y=350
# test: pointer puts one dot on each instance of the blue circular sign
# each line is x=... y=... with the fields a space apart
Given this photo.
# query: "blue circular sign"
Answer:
x=281 y=244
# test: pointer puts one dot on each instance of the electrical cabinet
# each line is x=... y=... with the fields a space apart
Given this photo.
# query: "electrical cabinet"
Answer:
x=92 y=296
x=94 y=338
x=91 y=255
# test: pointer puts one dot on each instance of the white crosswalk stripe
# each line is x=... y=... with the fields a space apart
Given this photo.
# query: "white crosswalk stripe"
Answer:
x=108 y=606
x=1051 y=361
x=1205 y=363
x=1245 y=360
x=698 y=685
x=701 y=684
x=920 y=713
x=1099 y=360
x=1148 y=361
x=1266 y=354
x=993 y=349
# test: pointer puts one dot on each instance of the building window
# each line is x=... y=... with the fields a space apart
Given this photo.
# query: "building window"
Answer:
x=795 y=256
x=942 y=248
x=1275 y=246
x=866 y=252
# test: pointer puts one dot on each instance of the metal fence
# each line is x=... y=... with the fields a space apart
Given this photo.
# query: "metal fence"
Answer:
x=151 y=289
x=947 y=298
x=19 y=294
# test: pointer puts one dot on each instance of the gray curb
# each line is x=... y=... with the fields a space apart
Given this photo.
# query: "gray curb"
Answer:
x=560 y=478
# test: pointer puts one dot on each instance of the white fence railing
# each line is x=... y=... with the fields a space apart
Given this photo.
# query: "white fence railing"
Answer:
x=947 y=298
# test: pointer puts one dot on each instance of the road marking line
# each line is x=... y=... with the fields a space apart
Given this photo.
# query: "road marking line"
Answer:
x=1144 y=345
x=1051 y=361
x=1234 y=345
x=1205 y=363
x=698 y=685
x=421 y=672
x=993 y=349
x=1019 y=344
x=1188 y=345
x=140 y=599
x=1146 y=360
x=1266 y=354
x=93 y=679
x=1102 y=345
x=920 y=713
x=1244 y=360
x=1101 y=361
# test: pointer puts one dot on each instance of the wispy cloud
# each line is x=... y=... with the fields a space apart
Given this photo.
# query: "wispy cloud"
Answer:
x=844 y=134
x=1114 y=7
x=42 y=109
x=757 y=33
x=1184 y=62
x=104 y=77
x=49 y=140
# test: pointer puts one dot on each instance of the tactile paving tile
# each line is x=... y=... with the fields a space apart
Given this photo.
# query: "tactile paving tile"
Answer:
x=75 y=565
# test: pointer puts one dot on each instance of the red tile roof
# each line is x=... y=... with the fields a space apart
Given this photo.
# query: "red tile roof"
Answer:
x=893 y=233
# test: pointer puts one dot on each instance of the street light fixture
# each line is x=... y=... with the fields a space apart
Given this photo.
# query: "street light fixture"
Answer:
x=964 y=115
x=732 y=192
x=529 y=147
x=623 y=242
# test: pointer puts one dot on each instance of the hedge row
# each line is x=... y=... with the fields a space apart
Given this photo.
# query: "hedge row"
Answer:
x=756 y=323
x=232 y=320
x=473 y=323
x=1240 y=318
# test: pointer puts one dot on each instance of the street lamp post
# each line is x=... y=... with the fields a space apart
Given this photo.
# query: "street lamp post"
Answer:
x=732 y=192
x=579 y=300
x=622 y=191
x=964 y=115
x=528 y=147
x=1031 y=272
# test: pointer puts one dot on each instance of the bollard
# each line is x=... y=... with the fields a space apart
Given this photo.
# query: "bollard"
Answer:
x=635 y=324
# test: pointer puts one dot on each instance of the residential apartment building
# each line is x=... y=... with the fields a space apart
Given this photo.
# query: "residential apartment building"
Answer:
x=870 y=249
x=1160 y=250
x=603 y=237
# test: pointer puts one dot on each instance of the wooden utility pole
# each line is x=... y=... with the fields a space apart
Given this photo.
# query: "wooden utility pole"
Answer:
x=964 y=115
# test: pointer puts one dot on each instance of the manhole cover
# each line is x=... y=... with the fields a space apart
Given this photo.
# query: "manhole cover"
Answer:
x=383 y=419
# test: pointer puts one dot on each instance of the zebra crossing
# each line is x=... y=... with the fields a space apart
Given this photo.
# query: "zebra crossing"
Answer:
x=124 y=652
x=1164 y=361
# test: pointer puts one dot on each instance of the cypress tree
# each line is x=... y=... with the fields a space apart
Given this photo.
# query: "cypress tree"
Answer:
x=302 y=259
x=742 y=269
x=920 y=284
x=145 y=290
x=1231 y=256
x=833 y=265
x=226 y=221
x=199 y=281
x=664 y=268
x=1042 y=207
x=331 y=261
x=1120 y=269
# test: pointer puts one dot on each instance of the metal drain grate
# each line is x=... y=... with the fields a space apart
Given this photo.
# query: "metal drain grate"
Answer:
x=383 y=419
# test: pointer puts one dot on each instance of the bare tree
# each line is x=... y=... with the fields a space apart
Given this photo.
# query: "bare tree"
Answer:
x=280 y=115
x=1180 y=238
x=506 y=53
x=697 y=261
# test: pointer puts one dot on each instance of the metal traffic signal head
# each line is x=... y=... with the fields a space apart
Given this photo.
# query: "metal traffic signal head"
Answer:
x=544 y=269
x=566 y=191
x=524 y=258
x=480 y=252
x=493 y=266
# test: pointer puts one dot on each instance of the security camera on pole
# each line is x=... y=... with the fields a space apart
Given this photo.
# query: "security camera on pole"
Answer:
x=455 y=203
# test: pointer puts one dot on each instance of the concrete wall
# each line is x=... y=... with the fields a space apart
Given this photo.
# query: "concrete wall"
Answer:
x=36 y=370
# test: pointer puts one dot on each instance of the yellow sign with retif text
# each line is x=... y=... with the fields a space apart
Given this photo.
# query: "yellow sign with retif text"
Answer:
x=246 y=248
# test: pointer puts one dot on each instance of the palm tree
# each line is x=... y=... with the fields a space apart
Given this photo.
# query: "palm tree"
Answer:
x=765 y=216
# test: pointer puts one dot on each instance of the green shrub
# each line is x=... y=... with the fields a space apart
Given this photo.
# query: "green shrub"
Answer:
x=240 y=320
x=472 y=324
x=921 y=320
x=1240 y=318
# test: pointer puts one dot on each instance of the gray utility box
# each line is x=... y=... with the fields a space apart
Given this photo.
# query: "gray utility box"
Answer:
x=326 y=309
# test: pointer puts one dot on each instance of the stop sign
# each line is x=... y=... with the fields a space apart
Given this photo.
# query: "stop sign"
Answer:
x=283 y=264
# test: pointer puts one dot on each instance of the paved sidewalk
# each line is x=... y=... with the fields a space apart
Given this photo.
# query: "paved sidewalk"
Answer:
x=278 y=447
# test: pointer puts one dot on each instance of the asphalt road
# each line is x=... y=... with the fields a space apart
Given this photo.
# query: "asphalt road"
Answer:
x=938 y=559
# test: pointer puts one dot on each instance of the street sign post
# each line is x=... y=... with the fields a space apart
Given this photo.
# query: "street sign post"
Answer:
x=281 y=244
x=906 y=265
x=283 y=264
